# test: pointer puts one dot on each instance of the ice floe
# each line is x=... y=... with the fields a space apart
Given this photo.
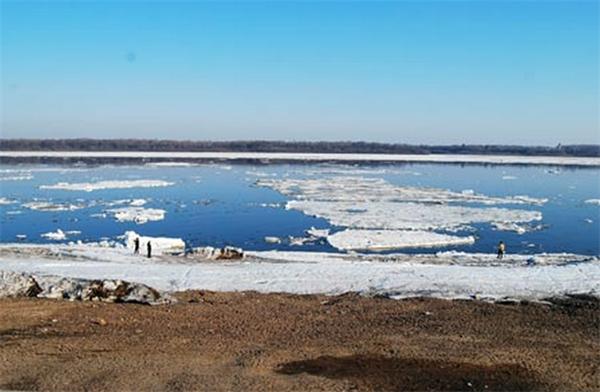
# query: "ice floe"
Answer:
x=593 y=201
x=374 y=204
x=4 y=201
x=59 y=235
x=272 y=240
x=138 y=215
x=393 y=239
x=25 y=177
x=376 y=189
x=116 y=184
x=52 y=207
x=408 y=216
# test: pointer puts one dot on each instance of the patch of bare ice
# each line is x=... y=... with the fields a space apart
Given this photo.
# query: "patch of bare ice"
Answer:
x=115 y=184
x=393 y=239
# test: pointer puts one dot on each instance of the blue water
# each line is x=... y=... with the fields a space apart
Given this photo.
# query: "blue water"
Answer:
x=219 y=205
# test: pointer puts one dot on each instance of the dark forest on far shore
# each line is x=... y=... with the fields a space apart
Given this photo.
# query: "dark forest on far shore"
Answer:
x=588 y=150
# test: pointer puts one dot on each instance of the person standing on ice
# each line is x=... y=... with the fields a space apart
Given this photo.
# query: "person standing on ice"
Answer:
x=136 y=245
x=149 y=248
x=501 y=250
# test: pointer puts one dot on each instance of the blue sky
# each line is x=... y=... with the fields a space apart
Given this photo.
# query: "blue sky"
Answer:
x=413 y=72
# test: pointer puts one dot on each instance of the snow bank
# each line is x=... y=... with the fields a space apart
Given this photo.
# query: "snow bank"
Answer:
x=393 y=239
x=116 y=184
x=444 y=275
x=14 y=284
x=138 y=215
x=160 y=245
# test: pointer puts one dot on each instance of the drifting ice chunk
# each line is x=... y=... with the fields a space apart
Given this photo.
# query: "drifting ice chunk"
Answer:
x=272 y=240
x=393 y=239
x=138 y=215
x=593 y=201
x=51 y=207
x=60 y=235
x=116 y=184
x=4 y=201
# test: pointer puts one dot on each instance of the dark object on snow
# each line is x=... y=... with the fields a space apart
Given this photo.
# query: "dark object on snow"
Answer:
x=136 y=244
x=501 y=250
x=149 y=248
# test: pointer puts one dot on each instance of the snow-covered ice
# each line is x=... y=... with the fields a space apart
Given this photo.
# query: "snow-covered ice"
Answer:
x=443 y=275
x=393 y=239
x=115 y=184
x=4 y=201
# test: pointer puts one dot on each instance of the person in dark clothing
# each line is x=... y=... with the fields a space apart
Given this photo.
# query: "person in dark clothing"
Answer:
x=501 y=250
x=136 y=244
x=149 y=247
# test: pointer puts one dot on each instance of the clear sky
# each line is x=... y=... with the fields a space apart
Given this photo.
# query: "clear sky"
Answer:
x=415 y=72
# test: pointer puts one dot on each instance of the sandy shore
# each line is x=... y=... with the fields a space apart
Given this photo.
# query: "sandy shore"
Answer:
x=251 y=341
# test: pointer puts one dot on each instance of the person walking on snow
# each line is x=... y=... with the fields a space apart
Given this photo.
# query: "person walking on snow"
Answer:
x=149 y=248
x=136 y=245
x=501 y=250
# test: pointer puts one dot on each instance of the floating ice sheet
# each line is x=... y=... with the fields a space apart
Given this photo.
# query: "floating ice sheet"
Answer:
x=393 y=239
x=138 y=215
x=116 y=184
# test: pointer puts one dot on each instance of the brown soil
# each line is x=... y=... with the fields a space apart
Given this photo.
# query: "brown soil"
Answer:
x=250 y=341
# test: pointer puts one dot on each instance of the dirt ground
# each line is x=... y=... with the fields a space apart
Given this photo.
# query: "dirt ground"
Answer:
x=249 y=341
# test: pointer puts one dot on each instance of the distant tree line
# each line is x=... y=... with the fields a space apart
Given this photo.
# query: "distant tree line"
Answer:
x=588 y=150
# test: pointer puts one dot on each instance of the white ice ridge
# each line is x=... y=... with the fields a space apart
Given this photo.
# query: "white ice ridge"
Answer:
x=315 y=157
x=138 y=215
x=115 y=184
x=593 y=201
x=446 y=275
x=376 y=189
x=393 y=239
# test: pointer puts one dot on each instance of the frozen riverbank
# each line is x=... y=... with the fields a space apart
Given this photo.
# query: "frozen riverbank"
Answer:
x=444 y=275
x=290 y=157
